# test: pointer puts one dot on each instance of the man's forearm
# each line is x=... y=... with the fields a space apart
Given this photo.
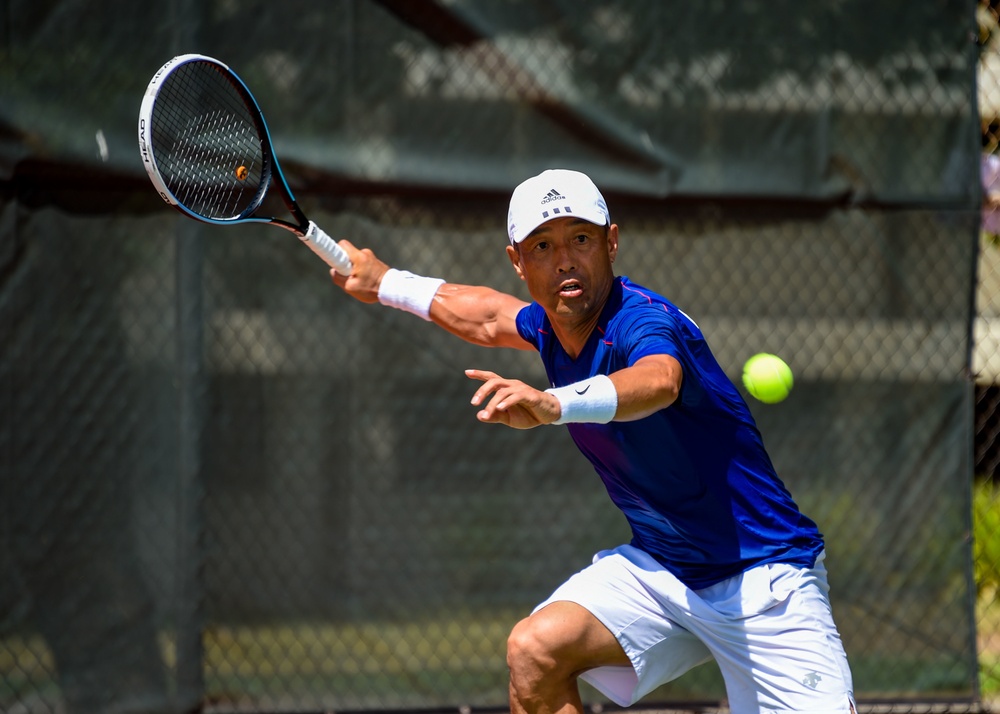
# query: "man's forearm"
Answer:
x=477 y=314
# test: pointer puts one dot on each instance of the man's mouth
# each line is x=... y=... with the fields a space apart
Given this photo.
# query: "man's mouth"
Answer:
x=570 y=288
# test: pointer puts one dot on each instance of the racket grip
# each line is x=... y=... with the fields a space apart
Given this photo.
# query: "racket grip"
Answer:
x=325 y=247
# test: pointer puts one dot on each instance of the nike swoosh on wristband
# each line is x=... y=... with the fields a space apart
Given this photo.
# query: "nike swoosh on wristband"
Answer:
x=584 y=390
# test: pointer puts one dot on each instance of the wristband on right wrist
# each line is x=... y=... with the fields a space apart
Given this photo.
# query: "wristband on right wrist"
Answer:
x=403 y=290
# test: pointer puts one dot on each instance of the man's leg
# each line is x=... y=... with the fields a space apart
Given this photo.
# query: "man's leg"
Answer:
x=549 y=649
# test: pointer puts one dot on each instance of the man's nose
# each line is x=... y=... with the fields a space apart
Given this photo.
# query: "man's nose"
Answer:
x=564 y=260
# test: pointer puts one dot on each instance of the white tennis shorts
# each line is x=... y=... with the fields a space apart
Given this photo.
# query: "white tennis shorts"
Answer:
x=770 y=630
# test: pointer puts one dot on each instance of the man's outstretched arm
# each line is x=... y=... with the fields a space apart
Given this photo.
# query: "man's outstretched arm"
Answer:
x=651 y=384
x=477 y=314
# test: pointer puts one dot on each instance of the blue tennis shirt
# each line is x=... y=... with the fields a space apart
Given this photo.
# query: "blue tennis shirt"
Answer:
x=693 y=480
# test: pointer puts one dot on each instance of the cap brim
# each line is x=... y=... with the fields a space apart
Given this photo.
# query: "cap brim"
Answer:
x=597 y=218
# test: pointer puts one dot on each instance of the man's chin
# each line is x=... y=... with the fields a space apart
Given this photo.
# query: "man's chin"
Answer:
x=573 y=307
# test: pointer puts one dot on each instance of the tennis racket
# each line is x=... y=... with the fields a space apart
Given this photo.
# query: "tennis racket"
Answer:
x=207 y=150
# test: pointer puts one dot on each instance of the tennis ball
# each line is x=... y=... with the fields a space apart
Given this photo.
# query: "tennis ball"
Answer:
x=767 y=378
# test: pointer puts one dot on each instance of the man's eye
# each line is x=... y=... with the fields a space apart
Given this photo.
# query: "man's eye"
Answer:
x=541 y=245
x=582 y=238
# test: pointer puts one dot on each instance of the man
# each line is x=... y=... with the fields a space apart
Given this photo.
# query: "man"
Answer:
x=722 y=564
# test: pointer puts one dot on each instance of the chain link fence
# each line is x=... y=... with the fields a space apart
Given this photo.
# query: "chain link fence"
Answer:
x=228 y=488
x=986 y=369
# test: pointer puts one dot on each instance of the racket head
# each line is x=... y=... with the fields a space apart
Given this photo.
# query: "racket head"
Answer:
x=203 y=140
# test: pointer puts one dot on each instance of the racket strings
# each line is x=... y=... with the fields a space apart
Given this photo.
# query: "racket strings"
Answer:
x=207 y=144
x=207 y=182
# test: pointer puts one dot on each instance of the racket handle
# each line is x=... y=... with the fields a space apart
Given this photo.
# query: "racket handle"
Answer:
x=325 y=247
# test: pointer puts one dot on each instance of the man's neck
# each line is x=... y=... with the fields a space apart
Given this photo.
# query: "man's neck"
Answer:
x=573 y=331
x=573 y=335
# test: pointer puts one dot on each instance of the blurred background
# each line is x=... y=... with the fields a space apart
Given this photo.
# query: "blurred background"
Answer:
x=225 y=487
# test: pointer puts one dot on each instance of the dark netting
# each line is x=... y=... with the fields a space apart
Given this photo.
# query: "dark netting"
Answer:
x=227 y=487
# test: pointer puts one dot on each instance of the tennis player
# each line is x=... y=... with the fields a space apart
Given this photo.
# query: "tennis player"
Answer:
x=722 y=563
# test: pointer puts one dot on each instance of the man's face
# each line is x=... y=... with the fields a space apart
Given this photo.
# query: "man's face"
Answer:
x=567 y=266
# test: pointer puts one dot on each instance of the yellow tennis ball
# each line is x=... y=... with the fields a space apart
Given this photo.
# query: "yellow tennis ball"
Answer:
x=767 y=378
x=242 y=173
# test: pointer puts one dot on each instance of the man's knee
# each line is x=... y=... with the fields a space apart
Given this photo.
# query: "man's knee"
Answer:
x=537 y=650
x=528 y=654
x=560 y=641
x=542 y=679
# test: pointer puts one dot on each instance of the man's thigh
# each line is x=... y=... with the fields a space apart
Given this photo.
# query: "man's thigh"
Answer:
x=770 y=630
x=658 y=650
x=571 y=635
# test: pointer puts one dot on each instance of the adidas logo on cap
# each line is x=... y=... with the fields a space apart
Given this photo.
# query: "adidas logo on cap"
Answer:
x=551 y=196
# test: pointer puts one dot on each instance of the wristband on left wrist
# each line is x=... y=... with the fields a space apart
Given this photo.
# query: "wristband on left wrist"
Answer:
x=593 y=400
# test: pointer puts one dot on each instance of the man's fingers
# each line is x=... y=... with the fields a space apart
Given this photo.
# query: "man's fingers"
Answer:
x=503 y=397
x=492 y=386
x=481 y=374
x=493 y=417
x=491 y=381
x=507 y=401
x=496 y=410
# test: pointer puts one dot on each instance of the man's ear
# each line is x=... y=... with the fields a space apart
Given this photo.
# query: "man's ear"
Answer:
x=515 y=259
x=613 y=241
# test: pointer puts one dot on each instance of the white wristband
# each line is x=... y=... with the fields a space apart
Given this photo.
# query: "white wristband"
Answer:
x=593 y=400
x=403 y=290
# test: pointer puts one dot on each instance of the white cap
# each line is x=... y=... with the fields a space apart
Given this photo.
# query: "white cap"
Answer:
x=554 y=193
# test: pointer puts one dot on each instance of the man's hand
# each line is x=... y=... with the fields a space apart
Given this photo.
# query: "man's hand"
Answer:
x=366 y=275
x=513 y=403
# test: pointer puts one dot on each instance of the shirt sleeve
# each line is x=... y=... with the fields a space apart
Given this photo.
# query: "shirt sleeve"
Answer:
x=529 y=322
x=649 y=331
